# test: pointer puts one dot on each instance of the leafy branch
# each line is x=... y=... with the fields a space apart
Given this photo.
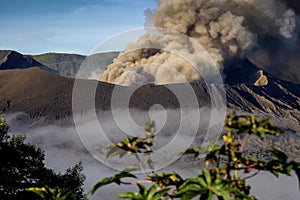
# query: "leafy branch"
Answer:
x=227 y=168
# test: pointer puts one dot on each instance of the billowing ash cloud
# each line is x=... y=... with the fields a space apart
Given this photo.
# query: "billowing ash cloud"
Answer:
x=225 y=28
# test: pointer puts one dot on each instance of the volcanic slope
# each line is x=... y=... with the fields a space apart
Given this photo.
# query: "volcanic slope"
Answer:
x=41 y=94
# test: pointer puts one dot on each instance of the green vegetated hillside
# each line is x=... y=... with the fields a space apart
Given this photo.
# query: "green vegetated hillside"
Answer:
x=68 y=64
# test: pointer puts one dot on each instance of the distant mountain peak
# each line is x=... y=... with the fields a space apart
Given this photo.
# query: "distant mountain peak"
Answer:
x=10 y=59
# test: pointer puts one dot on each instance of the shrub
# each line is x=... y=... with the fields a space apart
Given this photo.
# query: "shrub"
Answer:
x=22 y=166
x=226 y=171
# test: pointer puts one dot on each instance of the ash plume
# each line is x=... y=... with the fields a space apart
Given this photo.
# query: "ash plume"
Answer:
x=225 y=28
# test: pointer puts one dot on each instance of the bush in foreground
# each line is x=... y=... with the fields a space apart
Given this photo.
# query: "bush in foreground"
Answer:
x=226 y=170
x=22 y=166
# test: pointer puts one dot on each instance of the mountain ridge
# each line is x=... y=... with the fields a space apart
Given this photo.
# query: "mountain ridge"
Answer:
x=43 y=94
x=68 y=64
x=284 y=68
x=10 y=59
x=39 y=93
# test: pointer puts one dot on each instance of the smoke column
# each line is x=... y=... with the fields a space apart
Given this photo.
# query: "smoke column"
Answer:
x=225 y=28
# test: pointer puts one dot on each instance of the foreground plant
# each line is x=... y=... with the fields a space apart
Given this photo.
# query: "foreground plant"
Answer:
x=52 y=193
x=226 y=170
x=22 y=166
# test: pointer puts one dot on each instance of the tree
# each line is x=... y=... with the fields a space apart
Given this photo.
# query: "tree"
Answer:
x=226 y=171
x=22 y=166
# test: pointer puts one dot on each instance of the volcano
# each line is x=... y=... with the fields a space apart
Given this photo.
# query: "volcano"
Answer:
x=48 y=96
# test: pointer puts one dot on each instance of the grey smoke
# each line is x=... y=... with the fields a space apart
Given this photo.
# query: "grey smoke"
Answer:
x=225 y=28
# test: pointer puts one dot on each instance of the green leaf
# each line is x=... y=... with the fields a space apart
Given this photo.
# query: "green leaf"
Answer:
x=297 y=171
x=189 y=188
x=131 y=195
x=161 y=193
x=275 y=172
x=152 y=191
x=167 y=178
x=193 y=151
x=207 y=176
x=114 y=179
x=289 y=168
x=100 y=184
x=144 y=194
x=143 y=189
x=238 y=193
x=280 y=155
x=225 y=195
x=198 y=180
x=39 y=191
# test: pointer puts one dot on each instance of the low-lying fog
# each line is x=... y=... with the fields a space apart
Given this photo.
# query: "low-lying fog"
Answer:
x=65 y=146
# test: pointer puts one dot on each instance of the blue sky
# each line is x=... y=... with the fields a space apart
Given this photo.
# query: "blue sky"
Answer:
x=70 y=26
